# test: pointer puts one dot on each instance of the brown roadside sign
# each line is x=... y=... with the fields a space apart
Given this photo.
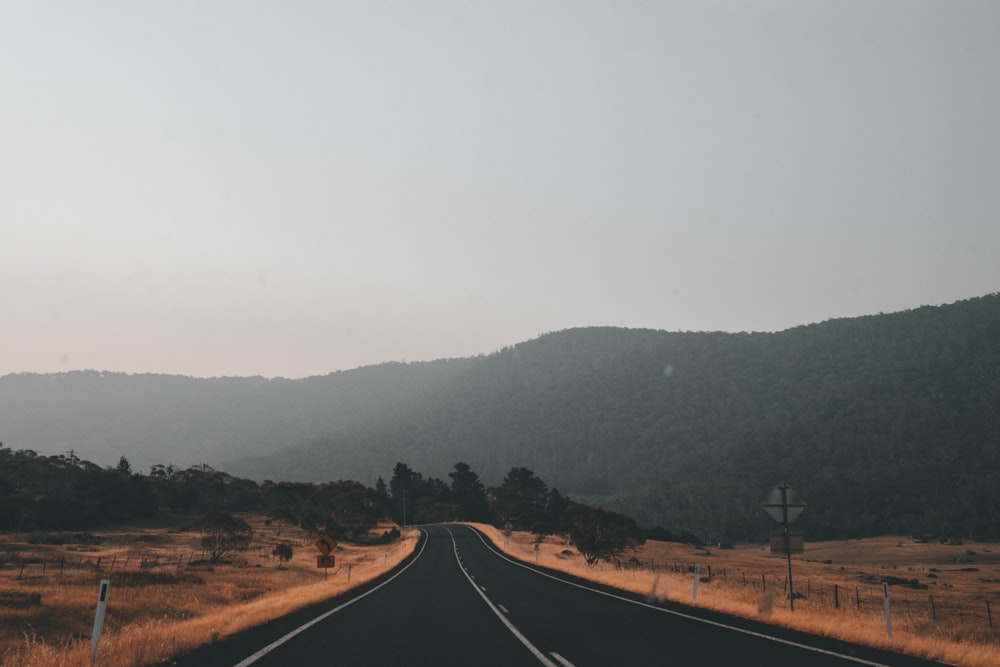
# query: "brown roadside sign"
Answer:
x=326 y=561
x=326 y=544
x=796 y=541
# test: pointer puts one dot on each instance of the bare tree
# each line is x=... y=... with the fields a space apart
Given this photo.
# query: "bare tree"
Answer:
x=223 y=534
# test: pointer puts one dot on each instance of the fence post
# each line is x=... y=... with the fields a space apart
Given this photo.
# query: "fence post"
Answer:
x=763 y=582
x=694 y=591
x=836 y=596
x=933 y=611
x=888 y=613
x=989 y=615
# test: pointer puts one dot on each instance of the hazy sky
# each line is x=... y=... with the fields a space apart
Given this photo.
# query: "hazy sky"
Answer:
x=291 y=188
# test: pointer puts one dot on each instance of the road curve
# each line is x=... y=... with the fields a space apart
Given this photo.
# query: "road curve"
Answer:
x=459 y=601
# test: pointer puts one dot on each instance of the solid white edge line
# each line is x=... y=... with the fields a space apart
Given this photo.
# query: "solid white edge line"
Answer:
x=302 y=628
x=503 y=619
x=561 y=660
x=717 y=624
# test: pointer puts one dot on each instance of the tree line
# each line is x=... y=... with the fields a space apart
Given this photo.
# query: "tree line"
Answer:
x=65 y=492
x=522 y=501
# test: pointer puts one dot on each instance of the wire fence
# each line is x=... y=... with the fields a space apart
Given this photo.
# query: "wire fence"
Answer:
x=26 y=568
x=909 y=599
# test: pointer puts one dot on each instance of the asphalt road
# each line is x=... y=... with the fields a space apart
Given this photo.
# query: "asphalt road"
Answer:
x=460 y=602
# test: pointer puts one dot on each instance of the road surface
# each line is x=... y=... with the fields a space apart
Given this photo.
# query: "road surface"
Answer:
x=459 y=601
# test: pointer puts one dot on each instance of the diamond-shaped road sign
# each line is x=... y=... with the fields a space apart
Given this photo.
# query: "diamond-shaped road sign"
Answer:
x=783 y=504
x=326 y=544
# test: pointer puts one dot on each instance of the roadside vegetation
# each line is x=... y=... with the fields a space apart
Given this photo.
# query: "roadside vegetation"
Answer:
x=205 y=544
x=938 y=591
x=167 y=596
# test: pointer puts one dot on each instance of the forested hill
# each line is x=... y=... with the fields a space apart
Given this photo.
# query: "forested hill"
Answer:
x=883 y=423
x=887 y=423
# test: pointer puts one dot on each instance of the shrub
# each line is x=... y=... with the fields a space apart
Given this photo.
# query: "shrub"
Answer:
x=223 y=534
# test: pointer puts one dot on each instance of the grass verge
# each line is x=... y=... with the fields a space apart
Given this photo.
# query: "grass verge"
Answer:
x=939 y=593
x=163 y=600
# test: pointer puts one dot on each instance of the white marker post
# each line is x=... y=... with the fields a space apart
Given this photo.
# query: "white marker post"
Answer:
x=888 y=613
x=697 y=575
x=102 y=605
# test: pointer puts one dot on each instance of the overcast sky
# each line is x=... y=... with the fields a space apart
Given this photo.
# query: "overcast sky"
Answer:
x=292 y=188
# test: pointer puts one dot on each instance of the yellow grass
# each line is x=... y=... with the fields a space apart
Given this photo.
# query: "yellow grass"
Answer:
x=158 y=611
x=960 y=635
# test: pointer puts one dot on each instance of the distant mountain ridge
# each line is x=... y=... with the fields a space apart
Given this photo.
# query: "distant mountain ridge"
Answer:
x=175 y=419
x=884 y=423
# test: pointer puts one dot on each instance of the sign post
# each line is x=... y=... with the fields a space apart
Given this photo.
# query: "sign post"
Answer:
x=102 y=605
x=326 y=560
x=785 y=506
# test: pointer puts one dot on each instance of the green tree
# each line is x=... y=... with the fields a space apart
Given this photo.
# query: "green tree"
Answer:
x=468 y=492
x=601 y=535
x=520 y=500
x=124 y=467
x=382 y=493
x=283 y=551
x=344 y=509
x=402 y=487
x=286 y=499
x=555 y=511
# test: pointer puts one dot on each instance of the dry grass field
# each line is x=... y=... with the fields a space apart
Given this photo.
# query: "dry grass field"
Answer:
x=938 y=592
x=162 y=600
